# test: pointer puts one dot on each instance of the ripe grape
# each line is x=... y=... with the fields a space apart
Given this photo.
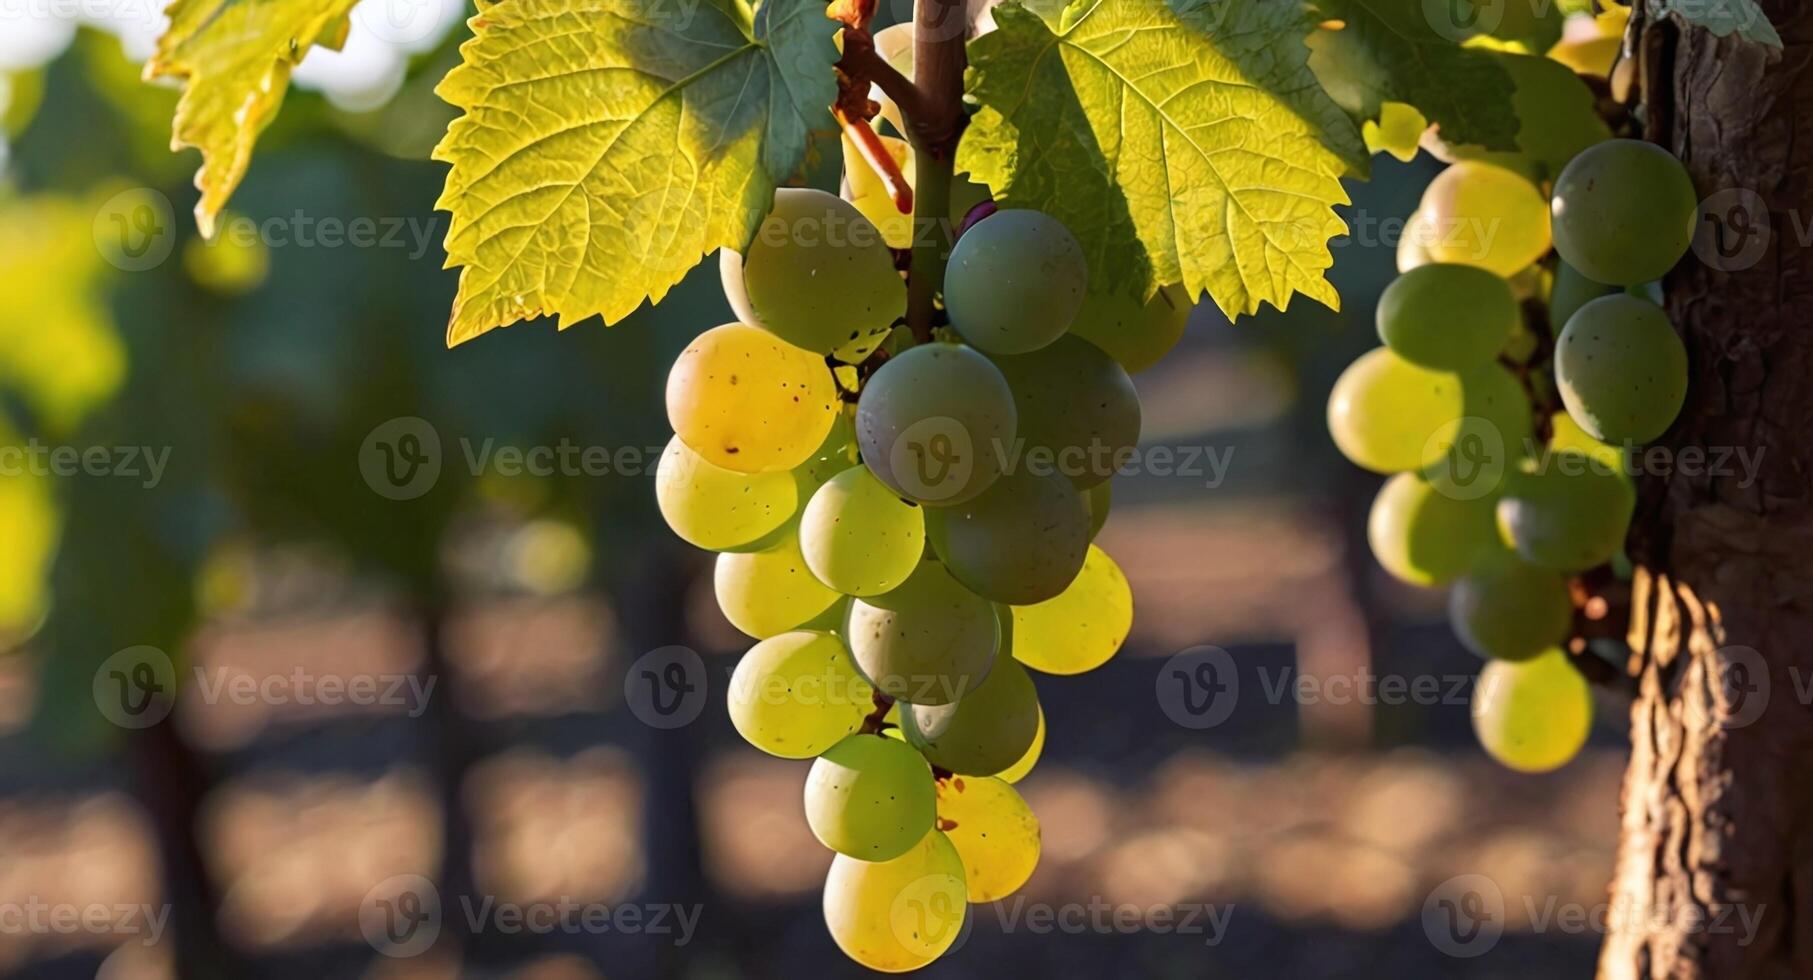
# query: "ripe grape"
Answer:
x=995 y=833
x=1621 y=369
x=1080 y=629
x=1015 y=282
x=1019 y=770
x=1624 y=212
x=1447 y=317
x=1570 y=292
x=1567 y=435
x=717 y=509
x=929 y=641
x=1569 y=514
x=1136 y=334
x=935 y=422
x=818 y=275
x=1532 y=715
x=1486 y=216
x=1384 y=411
x=1424 y=537
x=797 y=694
x=1473 y=456
x=1413 y=244
x=764 y=593
x=899 y=915
x=984 y=732
x=871 y=798
x=859 y=537
x=1509 y=610
x=1078 y=410
x=748 y=402
x=1021 y=541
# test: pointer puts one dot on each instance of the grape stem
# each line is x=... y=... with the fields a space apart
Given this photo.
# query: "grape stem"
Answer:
x=934 y=120
x=877 y=722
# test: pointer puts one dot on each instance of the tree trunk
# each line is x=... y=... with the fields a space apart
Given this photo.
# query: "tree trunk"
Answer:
x=1715 y=864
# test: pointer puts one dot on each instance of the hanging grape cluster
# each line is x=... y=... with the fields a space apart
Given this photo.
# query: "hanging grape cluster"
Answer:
x=1508 y=423
x=905 y=524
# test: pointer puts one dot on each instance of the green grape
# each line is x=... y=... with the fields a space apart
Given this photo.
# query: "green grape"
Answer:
x=1509 y=610
x=995 y=833
x=986 y=731
x=1621 y=369
x=1015 y=282
x=1447 y=317
x=899 y=915
x=1566 y=435
x=1486 y=216
x=1570 y=292
x=1569 y=514
x=1424 y=537
x=1101 y=502
x=1021 y=541
x=745 y=401
x=718 y=509
x=1136 y=334
x=1624 y=212
x=818 y=275
x=1082 y=628
x=1555 y=113
x=797 y=694
x=1078 y=410
x=871 y=798
x=929 y=641
x=1019 y=770
x=859 y=537
x=936 y=422
x=1476 y=454
x=764 y=593
x=1532 y=715
x=1386 y=414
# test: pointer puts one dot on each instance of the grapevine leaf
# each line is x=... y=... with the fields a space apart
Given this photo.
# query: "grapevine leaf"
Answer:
x=1387 y=51
x=236 y=57
x=1175 y=149
x=607 y=145
x=1723 y=17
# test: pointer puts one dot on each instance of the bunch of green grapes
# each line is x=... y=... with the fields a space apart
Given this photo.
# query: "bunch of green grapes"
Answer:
x=905 y=524
x=1493 y=491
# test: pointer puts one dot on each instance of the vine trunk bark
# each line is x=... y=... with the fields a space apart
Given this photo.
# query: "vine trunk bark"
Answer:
x=1714 y=875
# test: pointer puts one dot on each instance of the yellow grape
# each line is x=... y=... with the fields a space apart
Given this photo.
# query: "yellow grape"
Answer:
x=994 y=831
x=898 y=915
x=764 y=593
x=1136 y=334
x=718 y=509
x=747 y=401
x=797 y=694
x=1018 y=770
x=1532 y=715
x=871 y=798
x=1413 y=244
x=1486 y=216
x=1083 y=627
x=1385 y=412
x=859 y=537
x=1425 y=537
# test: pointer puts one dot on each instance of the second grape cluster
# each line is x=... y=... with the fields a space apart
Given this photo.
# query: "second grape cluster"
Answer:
x=1509 y=423
x=905 y=523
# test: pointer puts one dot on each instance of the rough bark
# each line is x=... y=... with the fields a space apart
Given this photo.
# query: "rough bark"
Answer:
x=1718 y=799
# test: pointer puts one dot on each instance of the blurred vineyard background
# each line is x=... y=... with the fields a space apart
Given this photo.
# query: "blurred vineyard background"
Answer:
x=261 y=368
